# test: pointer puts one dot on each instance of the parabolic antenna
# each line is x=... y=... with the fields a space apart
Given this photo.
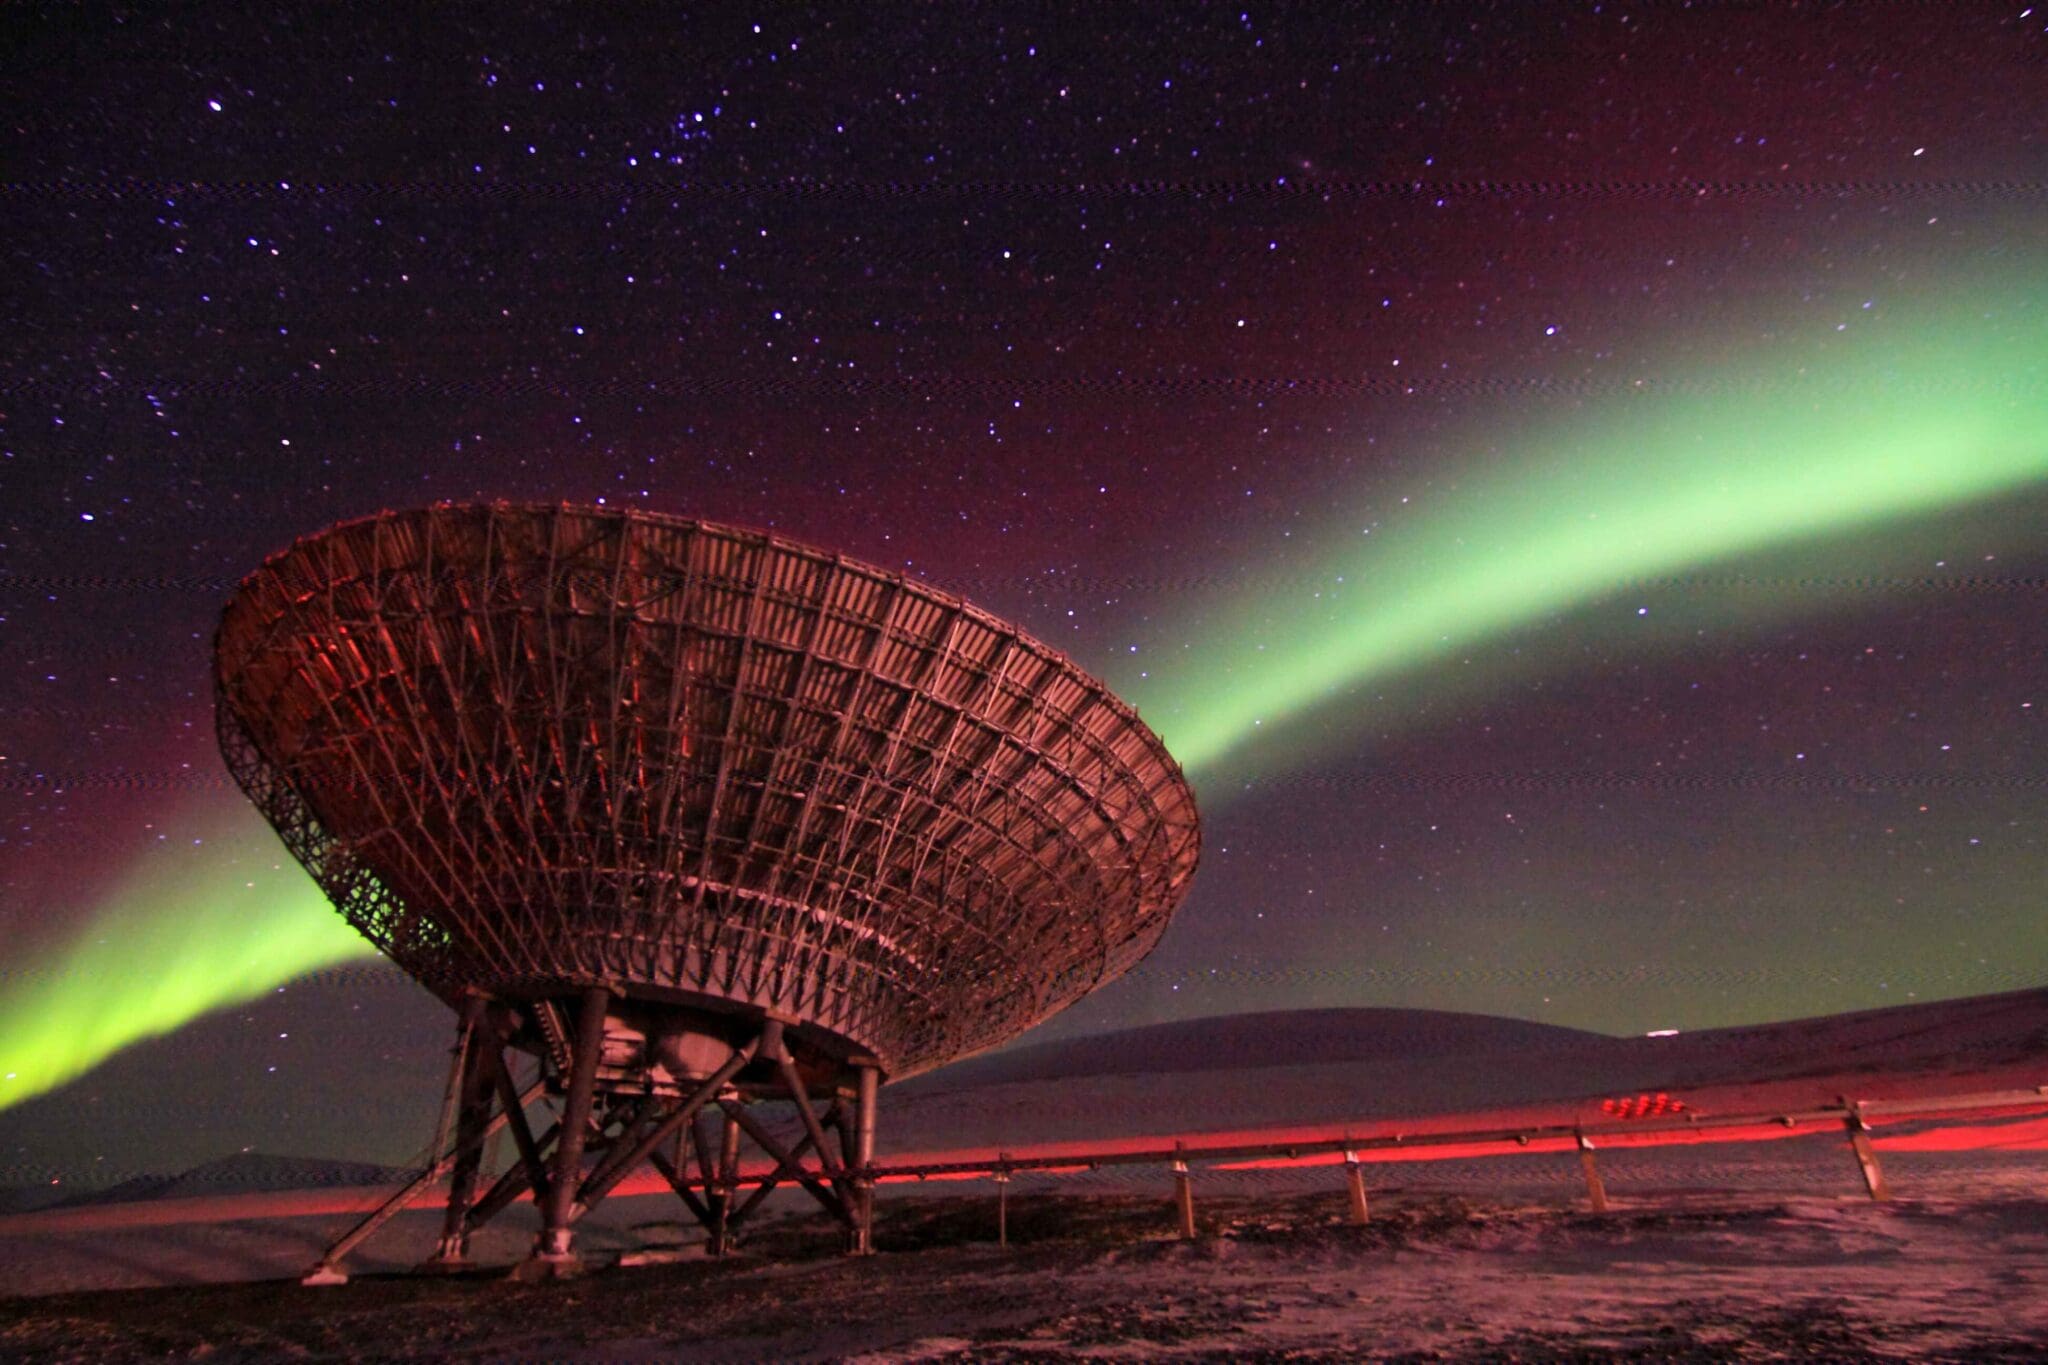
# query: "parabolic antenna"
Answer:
x=680 y=816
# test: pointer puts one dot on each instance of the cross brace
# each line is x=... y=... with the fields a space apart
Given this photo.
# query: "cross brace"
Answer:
x=599 y=1140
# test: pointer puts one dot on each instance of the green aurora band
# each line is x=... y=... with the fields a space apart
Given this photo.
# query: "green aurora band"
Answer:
x=1803 y=443
x=186 y=933
x=1808 y=440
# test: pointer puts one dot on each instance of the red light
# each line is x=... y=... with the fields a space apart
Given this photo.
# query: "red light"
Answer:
x=1642 y=1106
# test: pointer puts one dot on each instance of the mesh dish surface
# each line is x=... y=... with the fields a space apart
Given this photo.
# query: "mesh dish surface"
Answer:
x=524 y=748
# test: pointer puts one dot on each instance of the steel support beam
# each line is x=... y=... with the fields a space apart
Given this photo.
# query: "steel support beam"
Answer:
x=328 y=1269
x=839 y=1122
x=614 y=1162
x=706 y=1151
x=475 y=1041
x=515 y=1114
x=552 y=1253
x=621 y=1162
x=552 y=1165
x=870 y=1084
x=800 y=1096
x=680 y=1183
x=785 y=1167
x=720 y=1196
x=766 y=1141
x=516 y=1181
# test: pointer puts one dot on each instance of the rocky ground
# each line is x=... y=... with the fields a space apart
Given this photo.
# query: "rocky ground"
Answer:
x=1435 y=1276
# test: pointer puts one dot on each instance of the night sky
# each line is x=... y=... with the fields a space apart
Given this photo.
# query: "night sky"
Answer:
x=1569 y=480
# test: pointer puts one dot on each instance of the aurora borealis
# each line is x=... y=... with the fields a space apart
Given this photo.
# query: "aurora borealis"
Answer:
x=1568 y=484
x=1684 y=485
x=215 y=934
x=1652 y=485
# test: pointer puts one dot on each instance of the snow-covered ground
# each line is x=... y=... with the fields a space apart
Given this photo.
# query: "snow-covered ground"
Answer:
x=1436 y=1274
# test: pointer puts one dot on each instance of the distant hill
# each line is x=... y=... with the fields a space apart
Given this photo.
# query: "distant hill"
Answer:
x=27 y=1198
x=242 y=1173
x=1941 y=1035
x=1233 y=1042
x=1311 y=1066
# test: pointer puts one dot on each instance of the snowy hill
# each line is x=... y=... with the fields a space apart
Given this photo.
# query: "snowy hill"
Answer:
x=244 y=1173
x=1273 y=1038
x=1317 y=1066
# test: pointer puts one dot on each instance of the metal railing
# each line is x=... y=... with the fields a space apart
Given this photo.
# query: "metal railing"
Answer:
x=1853 y=1117
x=1560 y=1136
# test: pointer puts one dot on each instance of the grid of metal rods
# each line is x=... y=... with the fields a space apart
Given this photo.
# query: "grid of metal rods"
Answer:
x=528 y=747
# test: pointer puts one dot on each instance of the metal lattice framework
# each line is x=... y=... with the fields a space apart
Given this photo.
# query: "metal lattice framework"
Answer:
x=528 y=749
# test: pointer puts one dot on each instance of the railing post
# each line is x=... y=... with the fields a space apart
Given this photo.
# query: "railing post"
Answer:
x=1596 y=1192
x=1002 y=1203
x=1184 y=1199
x=1866 y=1155
x=1354 y=1186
